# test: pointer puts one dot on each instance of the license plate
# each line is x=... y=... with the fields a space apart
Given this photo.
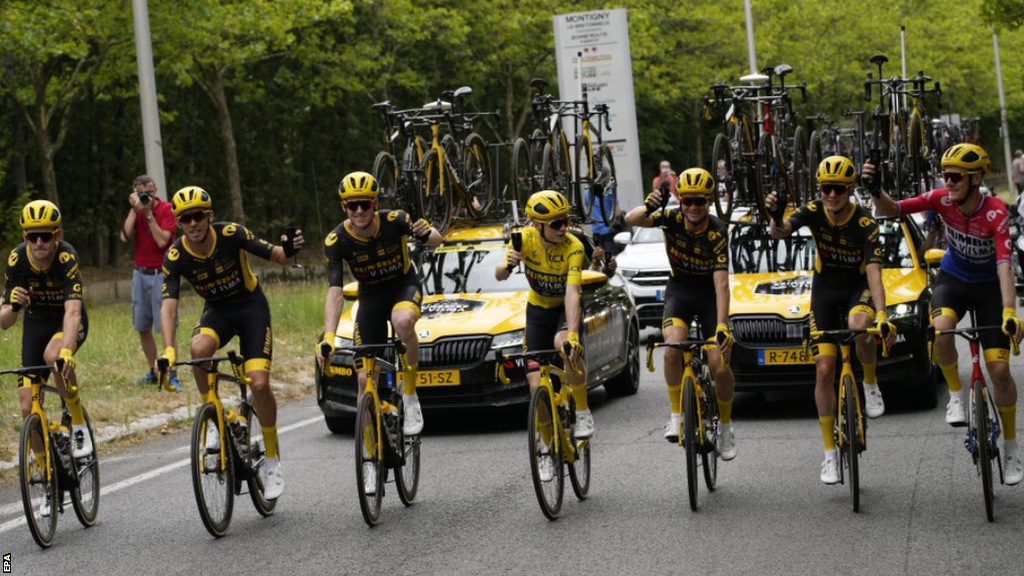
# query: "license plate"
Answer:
x=434 y=377
x=776 y=356
x=659 y=295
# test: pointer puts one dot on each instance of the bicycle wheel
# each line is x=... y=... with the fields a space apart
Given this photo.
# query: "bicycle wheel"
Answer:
x=477 y=176
x=691 y=429
x=609 y=185
x=727 y=178
x=522 y=175
x=407 y=478
x=814 y=158
x=536 y=145
x=85 y=498
x=385 y=172
x=579 y=470
x=897 y=160
x=709 y=415
x=766 y=171
x=254 y=458
x=583 y=175
x=435 y=200
x=983 y=441
x=368 y=460
x=918 y=167
x=213 y=484
x=541 y=431
x=852 y=439
x=35 y=488
x=798 y=169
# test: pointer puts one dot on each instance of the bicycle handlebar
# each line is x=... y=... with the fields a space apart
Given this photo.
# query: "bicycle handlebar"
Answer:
x=971 y=334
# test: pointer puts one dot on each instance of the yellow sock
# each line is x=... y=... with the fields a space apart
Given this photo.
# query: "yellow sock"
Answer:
x=75 y=408
x=725 y=411
x=869 y=373
x=270 y=440
x=952 y=377
x=828 y=424
x=546 y=432
x=409 y=388
x=675 y=399
x=1009 y=417
x=579 y=393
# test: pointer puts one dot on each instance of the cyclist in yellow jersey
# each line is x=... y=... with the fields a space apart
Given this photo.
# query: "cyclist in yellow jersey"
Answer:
x=697 y=244
x=213 y=257
x=553 y=262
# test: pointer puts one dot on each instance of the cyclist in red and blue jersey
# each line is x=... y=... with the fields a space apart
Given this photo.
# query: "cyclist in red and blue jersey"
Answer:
x=975 y=273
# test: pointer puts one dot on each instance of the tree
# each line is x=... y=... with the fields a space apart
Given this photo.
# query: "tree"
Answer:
x=53 y=51
x=1004 y=13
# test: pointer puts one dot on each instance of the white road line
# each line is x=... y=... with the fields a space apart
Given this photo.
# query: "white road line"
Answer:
x=18 y=506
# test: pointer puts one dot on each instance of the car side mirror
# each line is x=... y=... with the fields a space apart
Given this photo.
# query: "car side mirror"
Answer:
x=621 y=239
x=350 y=291
x=933 y=256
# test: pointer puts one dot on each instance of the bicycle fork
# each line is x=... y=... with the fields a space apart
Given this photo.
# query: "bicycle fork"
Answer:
x=847 y=370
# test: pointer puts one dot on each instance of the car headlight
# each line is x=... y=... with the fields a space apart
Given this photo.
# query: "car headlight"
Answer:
x=511 y=339
x=629 y=272
x=902 y=311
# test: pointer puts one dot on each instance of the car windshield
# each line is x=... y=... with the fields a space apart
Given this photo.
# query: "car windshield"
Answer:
x=468 y=268
x=649 y=236
x=753 y=251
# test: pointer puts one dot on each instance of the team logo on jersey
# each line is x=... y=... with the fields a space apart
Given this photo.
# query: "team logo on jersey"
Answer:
x=392 y=216
x=173 y=254
x=679 y=216
x=813 y=206
x=331 y=239
x=712 y=235
x=878 y=252
x=722 y=259
x=65 y=257
x=945 y=201
x=12 y=259
x=864 y=221
x=230 y=230
x=991 y=215
x=77 y=288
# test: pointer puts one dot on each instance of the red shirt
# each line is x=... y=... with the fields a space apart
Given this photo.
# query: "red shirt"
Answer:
x=147 y=253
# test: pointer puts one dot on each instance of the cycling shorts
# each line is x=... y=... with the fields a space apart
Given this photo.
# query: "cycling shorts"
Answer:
x=684 y=303
x=985 y=298
x=249 y=320
x=376 y=303
x=39 y=331
x=832 y=304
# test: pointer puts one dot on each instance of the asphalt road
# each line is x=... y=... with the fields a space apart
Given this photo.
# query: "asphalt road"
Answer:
x=922 y=508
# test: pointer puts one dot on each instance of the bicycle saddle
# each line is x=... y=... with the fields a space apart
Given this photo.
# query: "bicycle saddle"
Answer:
x=463 y=91
x=782 y=69
x=879 y=59
x=538 y=83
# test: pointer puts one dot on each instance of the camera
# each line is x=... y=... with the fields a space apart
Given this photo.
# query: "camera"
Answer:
x=144 y=198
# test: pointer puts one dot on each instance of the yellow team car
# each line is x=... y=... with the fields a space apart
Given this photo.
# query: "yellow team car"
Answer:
x=467 y=316
x=771 y=296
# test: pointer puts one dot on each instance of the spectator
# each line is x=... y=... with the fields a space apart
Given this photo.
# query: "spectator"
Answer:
x=666 y=174
x=149 y=226
x=605 y=187
x=1018 y=170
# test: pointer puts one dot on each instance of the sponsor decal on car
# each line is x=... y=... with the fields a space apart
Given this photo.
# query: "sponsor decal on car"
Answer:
x=451 y=306
x=788 y=286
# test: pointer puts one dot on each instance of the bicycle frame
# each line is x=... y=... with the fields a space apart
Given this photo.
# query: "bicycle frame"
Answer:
x=688 y=348
x=213 y=379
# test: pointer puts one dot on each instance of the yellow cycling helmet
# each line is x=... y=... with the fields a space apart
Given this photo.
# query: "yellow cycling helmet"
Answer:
x=40 y=214
x=971 y=157
x=696 y=181
x=547 y=206
x=837 y=170
x=358 y=185
x=190 y=198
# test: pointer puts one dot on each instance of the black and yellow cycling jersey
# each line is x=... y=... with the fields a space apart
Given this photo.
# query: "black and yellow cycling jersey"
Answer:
x=550 y=271
x=845 y=247
x=222 y=275
x=382 y=259
x=693 y=255
x=48 y=288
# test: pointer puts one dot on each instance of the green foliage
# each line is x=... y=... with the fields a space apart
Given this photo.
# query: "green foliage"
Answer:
x=1007 y=14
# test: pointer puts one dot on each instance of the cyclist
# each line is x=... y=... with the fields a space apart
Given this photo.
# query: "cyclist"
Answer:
x=975 y=273
x=847 y=282
x=375 y=245
x=43 y=277
x=553 y=262
x=213 y=257
x=697 y=244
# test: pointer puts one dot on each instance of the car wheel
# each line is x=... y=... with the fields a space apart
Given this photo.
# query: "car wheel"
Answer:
x=627 y=382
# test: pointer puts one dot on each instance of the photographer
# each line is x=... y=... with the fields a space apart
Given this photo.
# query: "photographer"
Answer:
x=666 y=174
x=149 y=226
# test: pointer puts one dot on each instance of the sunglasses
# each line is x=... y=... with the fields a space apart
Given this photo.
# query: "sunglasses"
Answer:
x=833 y=189
x=695 y=201
x=559 y=224
x=357 y=205
x=953 y=177
x=34 y=237
x=192 y=217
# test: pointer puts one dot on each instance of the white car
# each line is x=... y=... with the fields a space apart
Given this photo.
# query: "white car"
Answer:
x=643 y=263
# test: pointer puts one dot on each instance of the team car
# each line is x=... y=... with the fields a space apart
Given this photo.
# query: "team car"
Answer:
x=771 y=289
x=468 y=316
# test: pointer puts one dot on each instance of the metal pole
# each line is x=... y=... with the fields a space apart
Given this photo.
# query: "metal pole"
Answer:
x=1004 y=128
x=903 y=59
x=751 y=52
x=147 y=97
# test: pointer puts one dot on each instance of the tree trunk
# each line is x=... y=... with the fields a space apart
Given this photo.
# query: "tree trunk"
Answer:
x=47 y=152
x=227 y=135
x=17 y=141
x=699 y=135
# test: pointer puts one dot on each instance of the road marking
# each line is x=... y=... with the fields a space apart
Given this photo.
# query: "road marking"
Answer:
x=18 y=506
